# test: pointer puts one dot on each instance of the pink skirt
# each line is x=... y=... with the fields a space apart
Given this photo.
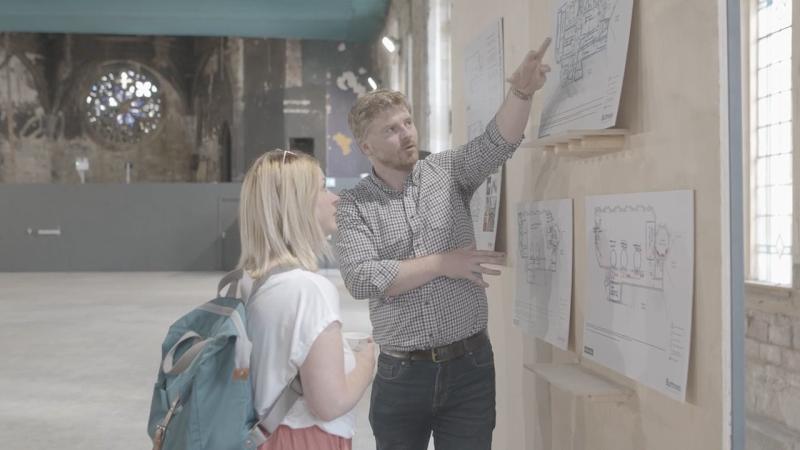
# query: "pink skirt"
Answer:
x=311 y=438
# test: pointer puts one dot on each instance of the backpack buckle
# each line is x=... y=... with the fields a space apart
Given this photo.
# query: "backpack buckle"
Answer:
x=158 y=439
x=161 y=429
x=255 y=437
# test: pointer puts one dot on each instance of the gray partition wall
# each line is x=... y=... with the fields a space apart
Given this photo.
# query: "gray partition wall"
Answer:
x=118 y=227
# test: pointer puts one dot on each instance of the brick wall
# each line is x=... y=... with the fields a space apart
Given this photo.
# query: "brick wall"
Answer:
x=773 y=372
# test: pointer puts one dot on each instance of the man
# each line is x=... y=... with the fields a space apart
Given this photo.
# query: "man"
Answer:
x=406 y=242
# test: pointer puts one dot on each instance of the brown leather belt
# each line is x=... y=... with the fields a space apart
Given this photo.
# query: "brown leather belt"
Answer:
x=445 y=352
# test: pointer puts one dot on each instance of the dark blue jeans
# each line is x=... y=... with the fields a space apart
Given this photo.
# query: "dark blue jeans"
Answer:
x=454 y=399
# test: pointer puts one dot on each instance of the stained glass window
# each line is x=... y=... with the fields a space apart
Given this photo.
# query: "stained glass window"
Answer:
x=124 y=106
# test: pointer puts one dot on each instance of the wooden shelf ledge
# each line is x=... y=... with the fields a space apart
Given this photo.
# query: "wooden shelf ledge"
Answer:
x=579 y=381
x=583 y=143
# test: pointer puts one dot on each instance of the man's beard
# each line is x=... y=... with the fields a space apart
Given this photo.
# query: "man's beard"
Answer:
x=403 y=163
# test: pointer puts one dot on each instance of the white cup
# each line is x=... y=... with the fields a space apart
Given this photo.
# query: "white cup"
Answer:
x=356 y=339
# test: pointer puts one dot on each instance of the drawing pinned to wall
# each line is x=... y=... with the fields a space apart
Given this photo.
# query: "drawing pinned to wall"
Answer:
x=544 y=270
x=591 y=45
x=484 y=89
x=640 y=273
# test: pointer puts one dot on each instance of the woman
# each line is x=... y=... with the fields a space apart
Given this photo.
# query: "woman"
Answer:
x=293 y=319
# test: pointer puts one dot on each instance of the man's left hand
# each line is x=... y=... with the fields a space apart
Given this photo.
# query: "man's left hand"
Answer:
x=532 y=73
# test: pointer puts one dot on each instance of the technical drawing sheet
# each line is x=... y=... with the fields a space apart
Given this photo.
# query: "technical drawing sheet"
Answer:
x=484 y=85
x=544 y=270
x=590 y=47
x=640 y=277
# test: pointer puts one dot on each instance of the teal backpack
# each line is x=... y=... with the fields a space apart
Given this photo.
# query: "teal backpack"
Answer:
x=202 y=399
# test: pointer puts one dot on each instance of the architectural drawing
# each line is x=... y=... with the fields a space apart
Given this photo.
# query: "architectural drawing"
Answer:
x=591 y=46
x=544 y=270
x=639 y=286
x=539 y=239
x=632 y=260
x=581 y=32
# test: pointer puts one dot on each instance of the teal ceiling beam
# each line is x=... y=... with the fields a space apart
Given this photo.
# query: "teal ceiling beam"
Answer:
x=350 y=20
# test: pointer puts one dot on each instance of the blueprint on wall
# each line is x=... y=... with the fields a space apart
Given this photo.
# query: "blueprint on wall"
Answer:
x=543 y=292
x=589 y=52
x=484 y=84
x=640 y=275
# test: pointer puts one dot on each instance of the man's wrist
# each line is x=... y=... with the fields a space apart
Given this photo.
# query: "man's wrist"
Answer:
x=436 y=262
x=521 y=95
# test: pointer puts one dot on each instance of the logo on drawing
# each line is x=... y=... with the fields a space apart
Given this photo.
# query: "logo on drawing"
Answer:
x=588 y=350
x=672 y=385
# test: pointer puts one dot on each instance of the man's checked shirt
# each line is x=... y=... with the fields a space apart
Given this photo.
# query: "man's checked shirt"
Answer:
x=378 y=227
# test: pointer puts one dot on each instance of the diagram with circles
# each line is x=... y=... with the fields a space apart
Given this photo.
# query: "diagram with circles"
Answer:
x=544 y=270
x=630 y=260
x=639 y=286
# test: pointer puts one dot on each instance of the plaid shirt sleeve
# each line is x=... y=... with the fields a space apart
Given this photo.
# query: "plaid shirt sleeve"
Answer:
x=364 y=274
x=471 y=163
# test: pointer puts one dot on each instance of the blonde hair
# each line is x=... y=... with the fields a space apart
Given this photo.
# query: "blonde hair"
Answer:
x=277 y=214
x=369 y=106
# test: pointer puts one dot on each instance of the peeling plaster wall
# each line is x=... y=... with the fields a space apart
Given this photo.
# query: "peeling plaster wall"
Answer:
x=339 y=72
x=45 y=79
x=407 y=18
x=213 y=104
x=265 y=74
x=23 y=123
x=224 y=102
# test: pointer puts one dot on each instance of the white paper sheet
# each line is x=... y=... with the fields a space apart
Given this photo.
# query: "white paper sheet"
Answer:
x=639 y=286
x=589 y=51
x=484 y=84
x=544 y=270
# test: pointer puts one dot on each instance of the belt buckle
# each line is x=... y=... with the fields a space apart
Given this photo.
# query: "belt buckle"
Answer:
x=435 y=356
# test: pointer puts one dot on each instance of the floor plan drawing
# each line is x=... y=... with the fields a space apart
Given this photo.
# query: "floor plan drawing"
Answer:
x=639 y=285
x=590 y=50
x=581 y=32
x=544 y=270
x=539 y=239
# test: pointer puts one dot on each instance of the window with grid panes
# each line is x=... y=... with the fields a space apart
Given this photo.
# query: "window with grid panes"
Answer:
x=771 y=156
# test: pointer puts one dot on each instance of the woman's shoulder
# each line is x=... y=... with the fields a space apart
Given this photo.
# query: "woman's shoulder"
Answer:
x=300 y=284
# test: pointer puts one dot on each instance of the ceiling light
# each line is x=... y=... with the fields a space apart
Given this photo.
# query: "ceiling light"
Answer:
x=389 y=43
x=372 y=83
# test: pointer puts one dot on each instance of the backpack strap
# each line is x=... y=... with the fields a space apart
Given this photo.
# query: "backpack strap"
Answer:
x=277 y=412
x=260 y=282
x=231 y=278
x=256 y=286
x=172 y=367
x=287 y=398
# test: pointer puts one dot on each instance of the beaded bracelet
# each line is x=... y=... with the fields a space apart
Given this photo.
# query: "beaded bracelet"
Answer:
x=520 y=95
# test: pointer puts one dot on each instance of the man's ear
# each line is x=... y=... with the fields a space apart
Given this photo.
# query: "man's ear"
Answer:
x=364 y=147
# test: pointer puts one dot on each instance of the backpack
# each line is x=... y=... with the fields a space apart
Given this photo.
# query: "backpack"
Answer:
x=202 y=399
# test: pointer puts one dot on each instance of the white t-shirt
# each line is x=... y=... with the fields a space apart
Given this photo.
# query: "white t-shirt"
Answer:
x=283 y=319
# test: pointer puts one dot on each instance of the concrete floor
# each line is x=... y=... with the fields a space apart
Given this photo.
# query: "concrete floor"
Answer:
x=80 y=353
